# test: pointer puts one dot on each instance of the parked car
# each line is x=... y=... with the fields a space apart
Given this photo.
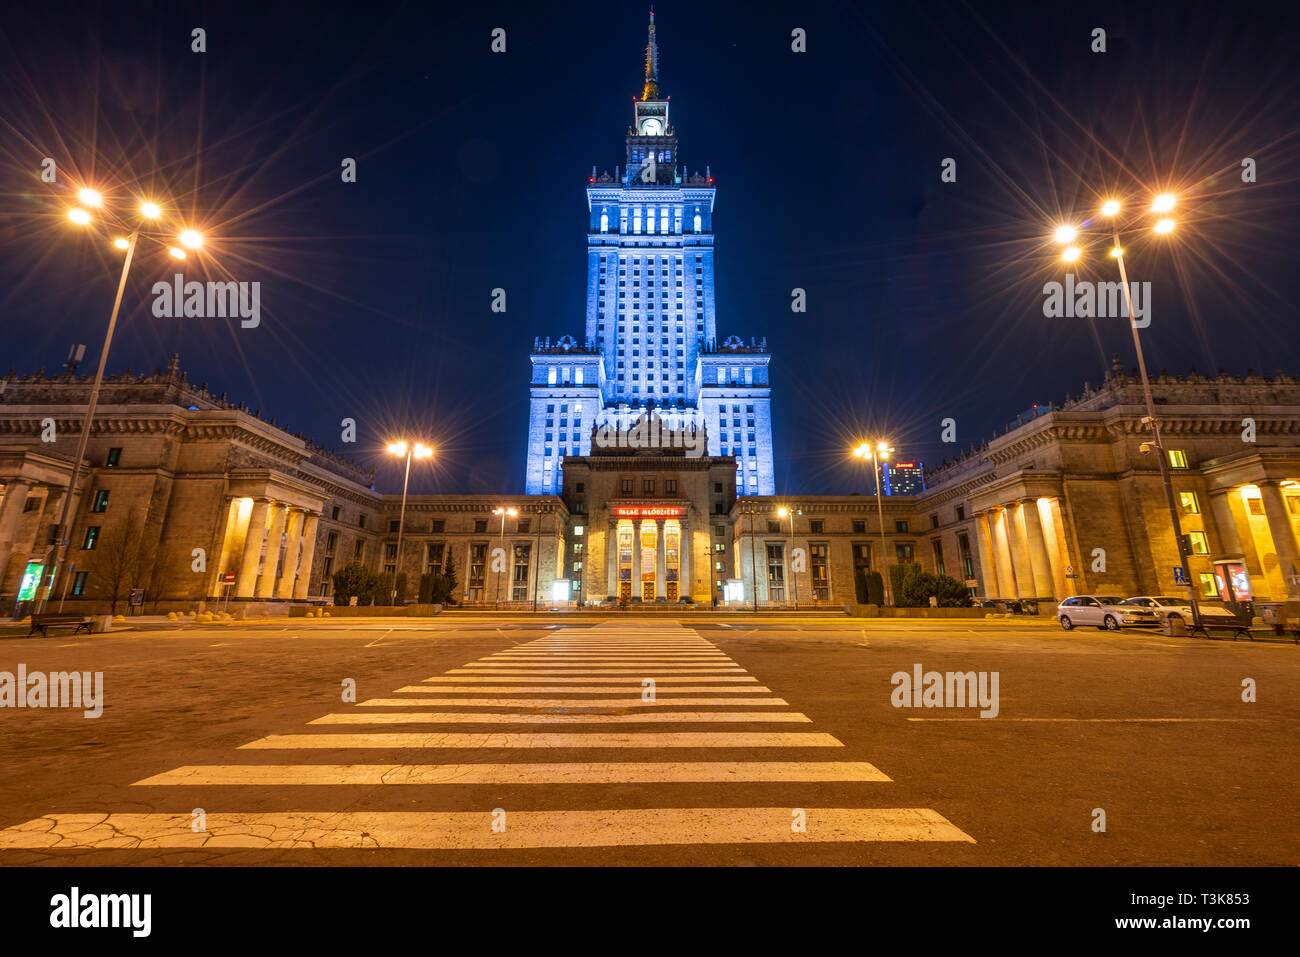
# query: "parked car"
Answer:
x=1108 y=612
x=1167 y=606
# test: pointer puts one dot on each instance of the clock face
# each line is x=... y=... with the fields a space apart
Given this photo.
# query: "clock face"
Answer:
x=651 y=127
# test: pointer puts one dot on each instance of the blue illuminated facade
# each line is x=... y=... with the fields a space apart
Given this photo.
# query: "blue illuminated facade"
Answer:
x=650 y=342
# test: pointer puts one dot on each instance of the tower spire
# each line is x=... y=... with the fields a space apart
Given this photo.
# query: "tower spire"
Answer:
x=651 y=91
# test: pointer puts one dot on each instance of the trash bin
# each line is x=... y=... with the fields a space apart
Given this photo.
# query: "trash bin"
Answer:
x=1173 y=627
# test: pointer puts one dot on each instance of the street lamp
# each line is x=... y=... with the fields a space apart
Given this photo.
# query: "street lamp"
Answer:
x=1162 y=204
x=82 y=216
x=881 y=449
x=501 y=541
x=410 y=450
x=784 y=512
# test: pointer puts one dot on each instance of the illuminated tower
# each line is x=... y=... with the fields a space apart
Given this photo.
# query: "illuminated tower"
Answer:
x=651 y=340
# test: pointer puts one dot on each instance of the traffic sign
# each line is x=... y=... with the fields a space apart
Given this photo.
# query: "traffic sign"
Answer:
x=228 y=578
x=1180 y=575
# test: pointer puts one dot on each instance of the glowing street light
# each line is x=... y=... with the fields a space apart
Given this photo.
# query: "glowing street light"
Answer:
x=1162 y=203
x=191 y=239
x=418 y=451
x=176 y=253
x=1070 y=254
x=879 y=453
x=121 y=243
x=79 y=216
x=1065 y=234
x=150 y=210
x=90 y=197
x=503 y=511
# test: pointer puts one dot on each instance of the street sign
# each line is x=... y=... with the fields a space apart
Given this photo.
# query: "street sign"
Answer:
x=228 y=578
x=1069 y=570
x=137 y=596
x=1180 y=575
x=972 y=583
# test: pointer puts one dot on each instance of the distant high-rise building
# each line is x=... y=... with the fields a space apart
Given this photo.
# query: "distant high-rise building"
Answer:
x=651 y=343
x=902 y=478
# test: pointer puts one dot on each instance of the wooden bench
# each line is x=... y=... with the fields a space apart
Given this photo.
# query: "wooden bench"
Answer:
x=42 y=622
x=1233 y=628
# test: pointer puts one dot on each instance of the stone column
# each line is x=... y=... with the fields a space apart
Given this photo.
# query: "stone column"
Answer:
x=1284 y=536
x=988 y=567
x=246 y=583
x=661 y=563
x=11 y=512
x=611 y=560
x=684 y=583
x=266 y=583
x=1002 y=549
x=1040 y=563
x=636 y=558
x=1225 y=525
x=284 y=584
x=1018 y=540
x=1250 y=554
x=308 y=554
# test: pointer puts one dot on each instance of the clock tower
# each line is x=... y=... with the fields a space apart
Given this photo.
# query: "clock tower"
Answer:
x=651 y=141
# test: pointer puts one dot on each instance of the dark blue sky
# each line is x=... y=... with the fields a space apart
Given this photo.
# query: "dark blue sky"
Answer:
x=924 y=298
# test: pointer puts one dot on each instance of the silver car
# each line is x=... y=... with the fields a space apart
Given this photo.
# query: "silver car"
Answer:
x=1168 y=606
x=1108 y=612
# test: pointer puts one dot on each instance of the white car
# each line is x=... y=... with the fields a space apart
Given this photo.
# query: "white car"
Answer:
x=1168 y=606
x=1104 y=611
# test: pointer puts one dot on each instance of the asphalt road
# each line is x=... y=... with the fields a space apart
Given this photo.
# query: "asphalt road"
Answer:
x=522 y=741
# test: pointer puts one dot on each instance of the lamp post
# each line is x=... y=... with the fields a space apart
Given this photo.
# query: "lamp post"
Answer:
x=1065 y=235
x=501 y=540
x=794 y=575
x=883 y=449
x=80 y=215
x=410 y=450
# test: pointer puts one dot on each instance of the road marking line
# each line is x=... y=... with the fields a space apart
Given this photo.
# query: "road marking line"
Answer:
x=570 y=717
x=564 y=702
x=471 y=830
x=594 y=772
x=1105 y=720
x=579 y=689
x=546 y=739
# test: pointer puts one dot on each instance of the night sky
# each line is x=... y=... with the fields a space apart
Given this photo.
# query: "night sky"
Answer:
x=924 y=298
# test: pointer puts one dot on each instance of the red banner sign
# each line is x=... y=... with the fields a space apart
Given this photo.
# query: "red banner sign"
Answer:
x=649 y=511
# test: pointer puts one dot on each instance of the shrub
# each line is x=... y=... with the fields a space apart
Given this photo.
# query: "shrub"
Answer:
x=356 y=579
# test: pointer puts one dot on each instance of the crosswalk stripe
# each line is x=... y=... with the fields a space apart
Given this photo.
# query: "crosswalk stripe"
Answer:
x=566 y=702
x=581 y=717
x=547 y=739
x=591 y=772
x=595 y=680
x=472 y=830
x=579 y=689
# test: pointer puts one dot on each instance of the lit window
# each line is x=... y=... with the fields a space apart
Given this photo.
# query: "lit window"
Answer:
x=1177 y=459
x=1209 y=585
x=1189 y=503
x=1200 y=544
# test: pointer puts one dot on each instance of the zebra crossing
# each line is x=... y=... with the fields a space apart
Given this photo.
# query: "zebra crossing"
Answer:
x=631 y=704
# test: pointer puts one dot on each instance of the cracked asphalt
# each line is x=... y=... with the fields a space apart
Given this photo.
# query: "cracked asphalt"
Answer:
x=247 y=722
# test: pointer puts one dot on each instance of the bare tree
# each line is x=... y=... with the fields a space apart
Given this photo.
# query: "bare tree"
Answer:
x=121 y=558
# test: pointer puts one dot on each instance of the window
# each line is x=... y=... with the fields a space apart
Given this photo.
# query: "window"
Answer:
x=776 y=572
x=819 y=567
x=903 y=552
x=934 y=520
x=961 y=513
x=859 y=527
x=937 y=545
x=627 y=486
x=720 y=530
x=519 y=581
x=79 y=583
x=394 y=525
x=358 y=550
x=101 y=501
x=815 y=527
x=1209 y=585
x=334 y=513
x=647 y=486
x=331 y=540
x=327 y=567
x=861 y=558
x=900 y=527
x=522 y=527
x=773 y=528
x=114 y=459
x=437 y=525
x=717 y=487
x=390 y=554
x=670 y=486
x=92 y=537
x=480 y=525
x=578 y=530
x=433 y=558
x=477 y=569
x=1177 y=459
x=719 y=546
x=1200 y=544
x=580 y=488
x=1189 y=503
x=963 y=547
x=361 y=521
